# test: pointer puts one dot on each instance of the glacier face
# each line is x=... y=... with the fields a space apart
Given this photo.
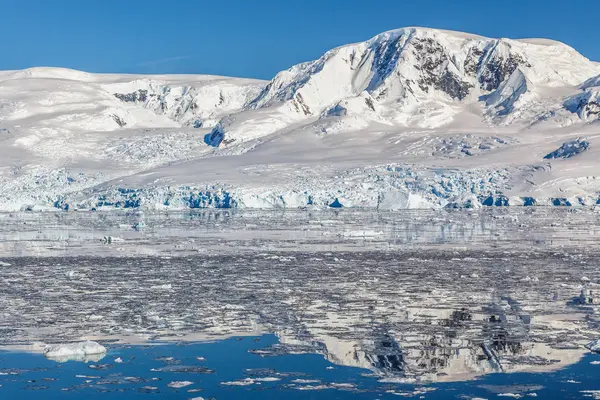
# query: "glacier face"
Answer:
x=412 y=118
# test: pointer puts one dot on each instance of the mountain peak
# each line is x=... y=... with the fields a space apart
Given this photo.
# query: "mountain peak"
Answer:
x=415 y=64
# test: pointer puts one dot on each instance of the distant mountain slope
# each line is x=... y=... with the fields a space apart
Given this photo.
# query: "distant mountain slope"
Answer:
x=412 y=118
x=396 y=76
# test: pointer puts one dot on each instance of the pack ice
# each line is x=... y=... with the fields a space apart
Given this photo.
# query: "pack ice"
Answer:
x=412 y=118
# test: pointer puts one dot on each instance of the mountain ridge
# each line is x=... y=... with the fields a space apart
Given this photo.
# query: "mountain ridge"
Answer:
x=411 y=118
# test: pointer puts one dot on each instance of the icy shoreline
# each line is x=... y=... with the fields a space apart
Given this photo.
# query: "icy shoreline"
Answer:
x=182 y=199
x=387 y=187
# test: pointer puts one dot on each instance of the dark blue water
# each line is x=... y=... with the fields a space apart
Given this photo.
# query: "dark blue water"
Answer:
x=146 y=372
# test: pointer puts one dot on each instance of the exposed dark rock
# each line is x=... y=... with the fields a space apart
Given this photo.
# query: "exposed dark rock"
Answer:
x=451 y=84
x=139 y=96
x=472 y=61
x=496 y=70
x=118 y=120
x=432 y=57
x=299 y=105
x=589 y=109
x=370 y=104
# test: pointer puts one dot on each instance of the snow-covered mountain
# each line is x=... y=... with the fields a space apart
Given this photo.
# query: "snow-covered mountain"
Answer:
x=429 y=78
x=410 y=118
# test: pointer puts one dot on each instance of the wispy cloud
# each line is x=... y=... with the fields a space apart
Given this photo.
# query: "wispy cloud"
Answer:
x=167 y=60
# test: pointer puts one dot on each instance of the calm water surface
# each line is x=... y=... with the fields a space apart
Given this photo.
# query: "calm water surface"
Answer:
x=452 y=304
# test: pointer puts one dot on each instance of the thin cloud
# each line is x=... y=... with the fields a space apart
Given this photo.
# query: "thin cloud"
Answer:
x=163 y=61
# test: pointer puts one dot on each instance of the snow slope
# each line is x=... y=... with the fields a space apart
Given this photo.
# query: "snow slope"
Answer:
x=412 y=118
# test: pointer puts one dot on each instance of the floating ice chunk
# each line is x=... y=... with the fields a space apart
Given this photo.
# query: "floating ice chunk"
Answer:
x=315 y=387
x=342 y=385
x=305 y=381
x=595 y=394
x=179 y=384
x=84 y=352
x=267 y=379
x=118 y=360
x=245 y=382
x=4 y=264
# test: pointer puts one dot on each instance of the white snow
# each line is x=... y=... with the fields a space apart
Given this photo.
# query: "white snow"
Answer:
x=412 y=118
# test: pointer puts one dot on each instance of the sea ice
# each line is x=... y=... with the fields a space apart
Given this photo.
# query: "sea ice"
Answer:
x=245 y=382
x=179 y=384
x=84 y=351
x=569 y=149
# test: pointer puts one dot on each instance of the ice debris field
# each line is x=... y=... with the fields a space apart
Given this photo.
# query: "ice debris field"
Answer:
x=412 y=118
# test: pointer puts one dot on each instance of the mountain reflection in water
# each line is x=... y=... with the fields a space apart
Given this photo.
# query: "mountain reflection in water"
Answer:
x=514 y=291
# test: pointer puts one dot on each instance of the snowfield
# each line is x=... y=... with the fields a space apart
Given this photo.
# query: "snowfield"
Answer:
x=412 y=118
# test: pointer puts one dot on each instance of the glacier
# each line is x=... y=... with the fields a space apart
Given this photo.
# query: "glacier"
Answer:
x=411 y=118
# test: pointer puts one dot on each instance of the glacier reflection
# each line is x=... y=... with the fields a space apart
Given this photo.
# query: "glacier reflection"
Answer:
x=412 y=297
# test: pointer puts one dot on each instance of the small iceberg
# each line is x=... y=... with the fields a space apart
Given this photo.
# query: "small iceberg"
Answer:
x=83 y=352
x=179 y=384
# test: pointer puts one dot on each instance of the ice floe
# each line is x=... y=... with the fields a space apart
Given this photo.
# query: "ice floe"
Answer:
x=85 y=351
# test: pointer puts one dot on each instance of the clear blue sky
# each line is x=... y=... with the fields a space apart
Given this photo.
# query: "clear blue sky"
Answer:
x=256 y=38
